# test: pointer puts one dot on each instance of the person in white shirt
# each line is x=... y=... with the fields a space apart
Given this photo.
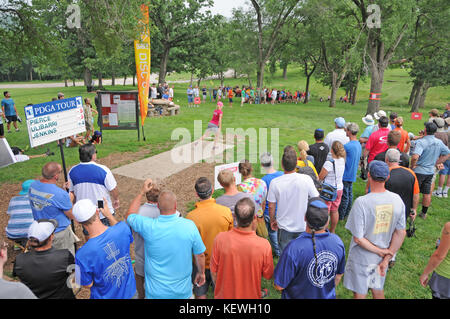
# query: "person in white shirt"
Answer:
x=89 y=180
x=153 y=91
x=274 y=96
x=171 y=93
x=289 y=195
x=332 y=172
x=338 y=134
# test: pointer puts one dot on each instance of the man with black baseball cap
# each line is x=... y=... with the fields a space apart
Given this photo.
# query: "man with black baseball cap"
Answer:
x=307 y=271
x=429 y=153
x=377 y=224
x=319 y=150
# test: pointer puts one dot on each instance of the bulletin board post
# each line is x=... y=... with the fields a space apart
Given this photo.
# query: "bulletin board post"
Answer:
x=119 y=110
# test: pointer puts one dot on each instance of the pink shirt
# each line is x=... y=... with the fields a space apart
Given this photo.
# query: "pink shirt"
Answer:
x=377 y=143
x=216 y=117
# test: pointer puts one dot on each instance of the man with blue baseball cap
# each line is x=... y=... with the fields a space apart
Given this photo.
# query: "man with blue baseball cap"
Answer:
x=377 y=223
x=338 y=134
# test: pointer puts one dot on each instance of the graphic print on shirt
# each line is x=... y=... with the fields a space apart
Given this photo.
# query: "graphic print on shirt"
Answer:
x=39 y=203
x=325 y=270
x=119 y=268
x=383 y=215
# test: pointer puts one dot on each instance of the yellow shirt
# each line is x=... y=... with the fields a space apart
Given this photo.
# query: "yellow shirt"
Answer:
x=210 y=219
x=301 y=163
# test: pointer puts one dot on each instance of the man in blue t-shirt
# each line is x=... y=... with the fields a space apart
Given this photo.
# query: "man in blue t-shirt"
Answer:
x=428 y=153
x=190 y=96
x=170 y=242
x=48 y=201
x=312 y=265
x=10 y=111
x=103 y=263
x=266 y=160
x=353 y=152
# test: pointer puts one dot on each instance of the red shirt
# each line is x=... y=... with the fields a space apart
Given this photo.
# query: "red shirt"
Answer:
x=377 y=143
x=240 y=259
x=216 y=116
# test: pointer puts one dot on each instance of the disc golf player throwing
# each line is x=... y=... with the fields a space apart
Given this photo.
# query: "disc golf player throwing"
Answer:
x=215 y=125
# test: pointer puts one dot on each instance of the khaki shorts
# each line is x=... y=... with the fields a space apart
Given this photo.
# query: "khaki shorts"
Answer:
x=65 y=239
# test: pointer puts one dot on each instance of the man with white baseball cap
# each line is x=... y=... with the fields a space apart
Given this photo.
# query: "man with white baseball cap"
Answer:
x=338 y=134
x=379 y=114
x=103 y=262
x=44 y=268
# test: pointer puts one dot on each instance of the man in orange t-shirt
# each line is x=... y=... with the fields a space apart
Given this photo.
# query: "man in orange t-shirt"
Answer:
x=240 y=258
x=210 y=219
x=405 y=142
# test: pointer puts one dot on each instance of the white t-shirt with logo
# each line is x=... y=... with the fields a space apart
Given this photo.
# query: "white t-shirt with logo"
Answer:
x=291 y=193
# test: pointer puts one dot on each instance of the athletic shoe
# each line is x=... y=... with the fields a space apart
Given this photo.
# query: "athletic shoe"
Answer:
x=437 y=194
x=445 y=195
x=422 y=215
x=391 y=264
x=264 y=293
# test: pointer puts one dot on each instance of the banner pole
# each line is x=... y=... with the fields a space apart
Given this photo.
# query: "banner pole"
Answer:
x=61 y=149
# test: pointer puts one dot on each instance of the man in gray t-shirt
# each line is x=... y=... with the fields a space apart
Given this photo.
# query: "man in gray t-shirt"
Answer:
x=11 y=289
x=232 y=195
x=377 y=224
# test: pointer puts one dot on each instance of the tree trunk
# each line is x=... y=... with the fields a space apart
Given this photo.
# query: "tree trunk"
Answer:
x=31 y=72
x=199 y=81
x=113 y=80
x=285 y=72
x=413 y=94
x=100 y=79
x=308 y=77
x=416 y=102
x=134 y=79
x=235 y=74
x=124 y=79
x=379 y=61
x=355 y=89
x=73 y=82
x=163 y=64
x=65 y=83
x=87 y=77
x=334 y=89
x=249 y=80
x=423 y=95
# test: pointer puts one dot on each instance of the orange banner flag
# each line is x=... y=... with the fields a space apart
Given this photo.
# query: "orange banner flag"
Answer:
x=142 y=58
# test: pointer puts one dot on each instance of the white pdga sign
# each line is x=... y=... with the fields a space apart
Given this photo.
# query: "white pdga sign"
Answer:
x=234 y=167
x=49 y=122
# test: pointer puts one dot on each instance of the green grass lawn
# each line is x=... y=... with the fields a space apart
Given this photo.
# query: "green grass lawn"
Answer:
x=295 y=122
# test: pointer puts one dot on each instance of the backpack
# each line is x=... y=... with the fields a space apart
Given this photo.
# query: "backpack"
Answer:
x=307 y=170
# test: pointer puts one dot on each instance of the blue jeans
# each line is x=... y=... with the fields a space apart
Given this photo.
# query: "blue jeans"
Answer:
x=273 y=237
x=284 y=237
x=347 y=200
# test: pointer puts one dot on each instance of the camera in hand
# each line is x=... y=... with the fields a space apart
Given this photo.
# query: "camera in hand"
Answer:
x=100 y=203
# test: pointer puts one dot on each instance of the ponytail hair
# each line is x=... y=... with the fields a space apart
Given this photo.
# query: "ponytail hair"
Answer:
x=314 y=247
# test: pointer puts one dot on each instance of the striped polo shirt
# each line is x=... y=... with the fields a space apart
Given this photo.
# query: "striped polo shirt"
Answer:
x=20 y=217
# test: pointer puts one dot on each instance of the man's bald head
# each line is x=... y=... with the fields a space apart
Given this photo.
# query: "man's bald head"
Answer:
x=167 y=202
x=50 y=170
